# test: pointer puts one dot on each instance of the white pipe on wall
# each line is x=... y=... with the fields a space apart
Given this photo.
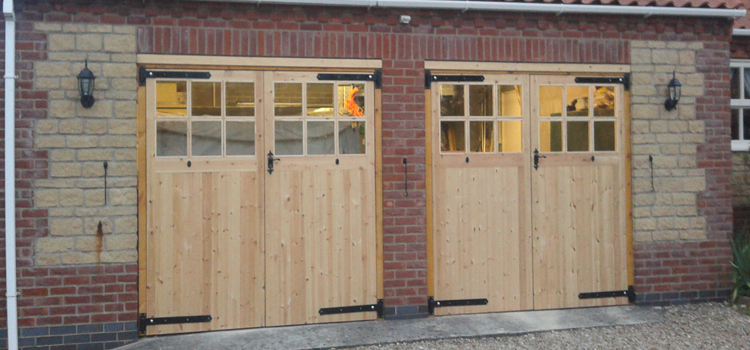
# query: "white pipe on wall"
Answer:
x=11 y=291
x=469 y=5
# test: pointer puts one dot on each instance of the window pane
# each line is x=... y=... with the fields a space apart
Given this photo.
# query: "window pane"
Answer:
x=746 y=124
x=171 y=139
x=735 y=124
x=287 y=99
x=206 y=98
x=550 y=101
x=480 y=101
x=482 y=137
x=509 y=136
x=240 y=138
x=351 y=137
x=735 y=82
x=240 y=99
x=604 y=136
x=604 y=101
x=509 y=100
x=746 y=88
x=452 y=137
x=451 y=100
x=351 y=100
x=578 y=101
x=288 y=138
x=206 y=138
x=578 y=136
x=320 y=100
x=171 y=98
x=550 y=136
x=320 y=138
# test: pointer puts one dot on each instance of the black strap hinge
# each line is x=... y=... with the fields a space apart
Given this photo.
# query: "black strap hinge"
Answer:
x=144 y=74
x=374 y=77
x=352 y=309
x=629 y=293
x=429 y=78
x=144 y=321
x=432 y=303
x=624 y=80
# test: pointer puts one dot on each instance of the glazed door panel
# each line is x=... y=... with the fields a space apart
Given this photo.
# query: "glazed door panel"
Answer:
x=319 y=198
x=205 y=224
x=481 y=243
x=578 y=195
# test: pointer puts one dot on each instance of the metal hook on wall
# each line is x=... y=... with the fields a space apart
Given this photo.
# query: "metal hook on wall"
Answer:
x=406 y=180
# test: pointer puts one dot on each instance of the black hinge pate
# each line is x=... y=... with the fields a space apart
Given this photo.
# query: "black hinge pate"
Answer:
x=629 y=293
x=429 y=78
x=144 y=321
x=375 y=77
x=432 y=303
x=624 y=80
x=144 y=74
x=352 y=309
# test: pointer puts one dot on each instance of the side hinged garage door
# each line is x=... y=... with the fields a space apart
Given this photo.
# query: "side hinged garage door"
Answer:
x=528 y=197
x=260 y=200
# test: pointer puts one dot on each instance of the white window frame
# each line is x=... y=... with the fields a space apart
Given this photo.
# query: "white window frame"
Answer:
x=741 y=103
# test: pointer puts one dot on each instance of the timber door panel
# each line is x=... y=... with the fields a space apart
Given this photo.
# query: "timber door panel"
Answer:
x=577 y=192
x=481 y=244
x=204 y=241
x=319 y=198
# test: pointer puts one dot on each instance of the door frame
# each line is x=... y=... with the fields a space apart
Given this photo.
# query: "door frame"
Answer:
x=449 y=67
x=196 y=62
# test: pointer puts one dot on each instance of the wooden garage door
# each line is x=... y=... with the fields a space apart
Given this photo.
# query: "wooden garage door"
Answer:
x=526 y=230
x=320 y=198
x=249 y=247
x=578 y=192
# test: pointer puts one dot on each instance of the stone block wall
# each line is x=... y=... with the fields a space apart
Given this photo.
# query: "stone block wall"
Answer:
x=79 y=281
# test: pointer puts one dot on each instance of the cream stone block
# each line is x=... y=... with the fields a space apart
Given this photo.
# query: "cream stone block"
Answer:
x=47 y=83
x=123 y=196
x=47 y=198
x=120 y=70
x=61 y=42
x=695 y=184
x=687 y=210
x=123 y=127
x=119 y=43
x=46 y=126
x=74 y=28
x=71 y=197
x=121 y=95
x=665 y=235
x=99 y=28
x=47 y=27
x=96 y=127
x=665 y=57
x=81 y=141
x=693 y=234
x=126 y=224
x=89 y=243
x=66 y=226
x=123 y=169
x=101 y=109
x=644 y=199
x=124 y=29
x=79 y=258
x=642 y=139
x=640 y=127
x=118 y=141
x=641 y=185
x=663 y=199
x=47 y=259
x=687 y=58
x=124 y=57
x=671 y=150
x=687 y=162
x=121 y=242
x=61 y=109
x=683 y=199
x=640 y=56
x=668 y=185
x=693 y=91
x=94 y=154
x=119 y=256
x=119 y=211
x=52 y=69
x=124 y=154
x=686 y=111
x=67 y=56
x=677 y=126
x=682 y=223
x=644 y=224
x=698 y=223
x=65 y=170
x=642 y=236
x=50 y=141
x=641 y=79
x=669 y=138
x=89 y=42
x=54 y=244
x=642 y=90
x=71 y=127
x=93 y=198
x=663 y=212
x=93 y=170
x=642 y=212
x=665 y=162
x=91 y=226
x=644 y=112
x=125 y=109
x=695 y=138
x=647 y=149
x=659 y=126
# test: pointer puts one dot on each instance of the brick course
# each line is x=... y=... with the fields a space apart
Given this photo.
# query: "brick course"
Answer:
x=58 y=186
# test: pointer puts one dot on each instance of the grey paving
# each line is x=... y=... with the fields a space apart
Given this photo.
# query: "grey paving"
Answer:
x=351 y=334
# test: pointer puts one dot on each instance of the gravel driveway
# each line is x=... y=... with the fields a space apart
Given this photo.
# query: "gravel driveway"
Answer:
x=700 y=326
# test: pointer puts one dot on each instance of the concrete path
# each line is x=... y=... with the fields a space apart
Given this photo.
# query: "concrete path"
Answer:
x=351 y=334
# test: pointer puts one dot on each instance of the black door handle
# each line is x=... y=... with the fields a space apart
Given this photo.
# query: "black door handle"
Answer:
x=536 y=159
x=271 y=159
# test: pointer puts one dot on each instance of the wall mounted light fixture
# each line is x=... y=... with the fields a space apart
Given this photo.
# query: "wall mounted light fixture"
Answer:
x=86 y=86
x=675 y=88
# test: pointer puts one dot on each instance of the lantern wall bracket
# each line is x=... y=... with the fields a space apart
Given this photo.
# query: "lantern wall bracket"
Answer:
x=144 y=74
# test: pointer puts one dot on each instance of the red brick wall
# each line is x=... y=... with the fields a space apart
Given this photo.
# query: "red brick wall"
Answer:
x=741 y=47
x=249 y=30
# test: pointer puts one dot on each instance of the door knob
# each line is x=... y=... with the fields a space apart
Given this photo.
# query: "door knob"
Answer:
x=536 y=159
x=271 y=160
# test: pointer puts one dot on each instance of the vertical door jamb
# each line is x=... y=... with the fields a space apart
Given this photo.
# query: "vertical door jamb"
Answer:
x=142 y=176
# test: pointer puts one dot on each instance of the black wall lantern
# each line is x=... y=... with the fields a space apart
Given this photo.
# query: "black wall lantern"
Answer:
x=86 y=86
x=675 y=88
